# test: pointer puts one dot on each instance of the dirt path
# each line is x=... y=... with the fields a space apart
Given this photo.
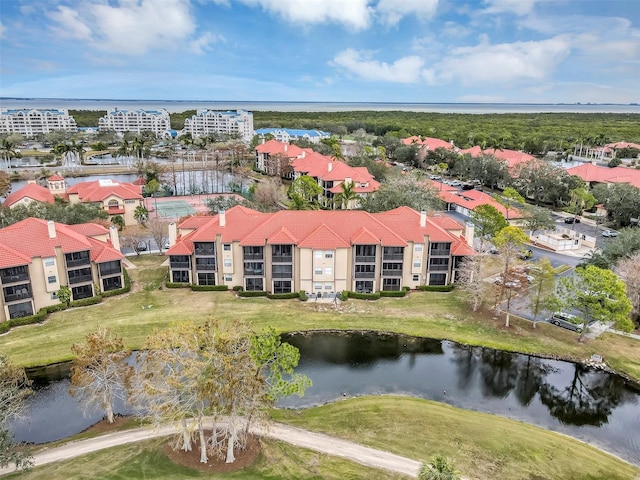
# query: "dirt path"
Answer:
x=296 y=436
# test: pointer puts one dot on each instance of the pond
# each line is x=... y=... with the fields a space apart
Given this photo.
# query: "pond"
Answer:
x=588 y=404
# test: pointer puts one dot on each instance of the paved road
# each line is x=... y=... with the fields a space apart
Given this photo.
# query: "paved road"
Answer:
x=314 y=441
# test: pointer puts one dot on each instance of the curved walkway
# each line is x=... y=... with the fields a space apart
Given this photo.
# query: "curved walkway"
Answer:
x=296 y=436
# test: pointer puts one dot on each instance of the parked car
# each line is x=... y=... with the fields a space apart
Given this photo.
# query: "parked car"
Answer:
x=494 y=251
x=572 y=220
x=566 y=320
x=526 y=254
x=142 y=246
x=610 y=233
x=166 y=245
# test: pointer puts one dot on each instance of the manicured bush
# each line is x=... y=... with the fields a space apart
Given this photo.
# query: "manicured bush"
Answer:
x=86 y=301
x=237 y=288
x=177 y=285
x=364 y=296
x=436 y=288
x=209 y=288
x=58 y=307
x=398 y=293
x=36 y=318
x=251 y=293
x=281 y=296
x=344 y=295
x=303 y=296
x=4 y=327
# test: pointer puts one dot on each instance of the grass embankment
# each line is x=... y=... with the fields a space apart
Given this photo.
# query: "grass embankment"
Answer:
x=425 y=314
x=482 y=446
x=146 y=460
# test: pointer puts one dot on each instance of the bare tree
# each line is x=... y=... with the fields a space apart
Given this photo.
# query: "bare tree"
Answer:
x=542 y=288
x=159 y=230
x=268 y=194
x=629 y=272
x=132 y=241
x=14 y=388
x=509 y=242
x=99 y=372
x=469 y=279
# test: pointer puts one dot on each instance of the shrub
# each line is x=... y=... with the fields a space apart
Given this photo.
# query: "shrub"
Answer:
x=36 y=318
x=242 y=293
x=303 y=296
x=364 y=296
x=209 y=288
x=177 y=285
x=435 y=288
x=4 y=327
x=86 y=301
x=398 y=293
x=344 y=295
x=281 y=296
x=55 y=308
x=237 y=288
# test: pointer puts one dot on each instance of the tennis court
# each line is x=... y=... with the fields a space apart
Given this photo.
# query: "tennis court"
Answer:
x=174 y=209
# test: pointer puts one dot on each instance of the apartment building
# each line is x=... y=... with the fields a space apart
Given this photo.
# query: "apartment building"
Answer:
x=29 y=122
x=318 y=251
x=137 y=121
x=38 y=256
x=289 y=134
x=211 y=122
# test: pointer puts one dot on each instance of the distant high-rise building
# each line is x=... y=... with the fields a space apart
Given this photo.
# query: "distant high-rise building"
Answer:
x=208 y=122
x=32 y=121
x=137 y=121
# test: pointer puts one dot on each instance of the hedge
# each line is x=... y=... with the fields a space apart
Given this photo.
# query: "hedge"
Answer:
x=393 y=293
x=303 y=296
x=281 y=296
x=435 y=288
x=237 y=288
x=177 y=285
x=86 y=301
x=209 y=288
x=251 y=293
x=364 y=296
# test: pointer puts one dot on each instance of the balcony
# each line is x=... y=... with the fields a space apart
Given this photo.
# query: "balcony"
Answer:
x=205 y=266
x=253 y=256
x=391 y=273
x=205 y=251
x=105 y=272
x=25 y=293
x=438 y=268
x=78 y=262
x=286 y=275
x=179 y=265
x=365 y=274
x=255 y=272
x=365 y=259
x=20 y=277
x=393 y=256
x=440 y=252
x=281 y=259
x=80 y=279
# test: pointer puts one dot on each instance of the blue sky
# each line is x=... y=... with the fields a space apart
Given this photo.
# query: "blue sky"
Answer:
x=538 y=51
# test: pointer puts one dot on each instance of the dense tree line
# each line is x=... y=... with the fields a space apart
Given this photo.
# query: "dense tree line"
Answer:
x=59 y=211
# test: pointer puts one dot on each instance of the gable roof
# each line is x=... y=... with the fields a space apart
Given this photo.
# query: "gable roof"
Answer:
x=98 y=190
x=471 y=199
x=428 y=142
x=30 y=238
x=32 y=191
x=594 y=173
x=511 y=157
x=317 y=229
x=273 y=147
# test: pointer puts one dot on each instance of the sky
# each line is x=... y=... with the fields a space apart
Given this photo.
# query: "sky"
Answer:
x=415 y=51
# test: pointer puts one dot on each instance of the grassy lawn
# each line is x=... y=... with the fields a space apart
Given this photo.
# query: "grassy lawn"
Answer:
x=482 y=446
x=426 y=314
x=146 y=460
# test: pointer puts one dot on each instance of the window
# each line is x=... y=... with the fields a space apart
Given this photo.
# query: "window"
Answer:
x=328 y=270
x=417 y=248
x=328 y=254
x=317 y=286
x=20 y=310
x=437 y=279
x=328 y=286
x=416 y=278
x=282 y=286
x=226 y=247
x=364 y=286
x=228 y=278
x=206 y=279
x=392 y=284
x=227 y=262
x=281 y=271
x=84 y=291
x=54 y=295
x=51 y=279
x=317 y=271
x=254 y=285
x=111 y=283
x=416 y=264
x=49 y=262
x=317 y=253
x=180 y=276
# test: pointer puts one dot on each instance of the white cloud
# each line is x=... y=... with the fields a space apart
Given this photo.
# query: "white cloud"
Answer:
x=518 y=7
x=352 y=13
x=132 y=27
x=404 y=70
x=392 y=11
x=501 y=63
x=203 y=43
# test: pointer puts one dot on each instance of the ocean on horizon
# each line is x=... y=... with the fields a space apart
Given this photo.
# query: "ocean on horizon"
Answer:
x=176 y=106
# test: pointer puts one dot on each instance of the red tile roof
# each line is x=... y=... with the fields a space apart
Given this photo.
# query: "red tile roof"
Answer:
x=30 y=238
x=428 y=142
x=98 y=190
x=30 y=190
x=618 y=145
x=318 y=229
x=471 y=199
x=593 y=173
x=511 y=157
x=55 y=178
x=273 y=147
x=89 y=229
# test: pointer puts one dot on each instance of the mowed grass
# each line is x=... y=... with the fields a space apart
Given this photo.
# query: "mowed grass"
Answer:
x=427 y=314
x=146 y=460
x=482 y=446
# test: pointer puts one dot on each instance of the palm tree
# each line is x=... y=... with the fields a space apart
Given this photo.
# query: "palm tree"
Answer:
x=78 y=150
x=8 y=152
x=439 y=468
x=64 y=150
x=124 y=150
x=137 y=147
x=347 y=196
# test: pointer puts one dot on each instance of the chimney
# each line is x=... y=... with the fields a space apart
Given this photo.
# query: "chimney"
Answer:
x=173 y=234
x=286 y=146
x=348 y=180
x=423 y=218
x=31 y=182
x=113 y=236
x=222 y=218
x=469 y=233
x=330 y=166
x=51 y=226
